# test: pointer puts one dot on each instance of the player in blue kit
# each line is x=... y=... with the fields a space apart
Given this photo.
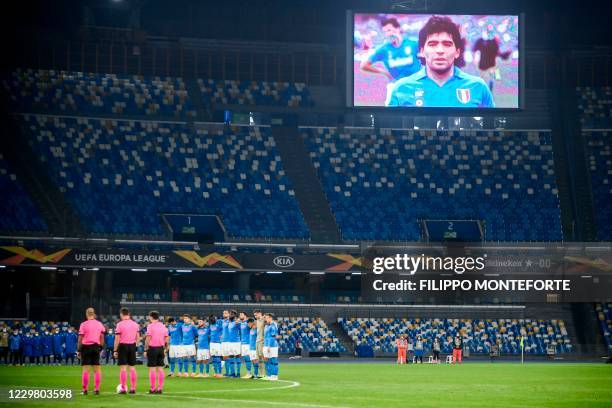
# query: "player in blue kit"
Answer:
x=233 y=344
x=216 y=353
x=58 y=346
x=27 y=343
x=174 y=331
x=109 y=342
x=36 y=348
x=71 y=343
x=253 y=357
x=47 y=347
x=203 y=353
x=224 y=339
x=15 y=347
x=244 y=344
x=441 y=83
x=271 y=347
x=189 y=331
x=397 y=54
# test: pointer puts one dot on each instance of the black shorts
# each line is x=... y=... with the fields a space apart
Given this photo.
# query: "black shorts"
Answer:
x=90 y=354
x=126 y=354
x=155 y=356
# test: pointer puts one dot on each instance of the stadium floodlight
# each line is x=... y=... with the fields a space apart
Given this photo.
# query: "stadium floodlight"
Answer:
x=48 y=268
x=2 y=266
x=139 y=269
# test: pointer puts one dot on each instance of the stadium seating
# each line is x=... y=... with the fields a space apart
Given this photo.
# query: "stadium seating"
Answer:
x=313 y=332
x=599 y=153
x=604 y=315
x=90 y=94
x=595 y=107
x=120 y=175
x=380 y=185
x=479 y=335
x=18 y=213
x=228 y=92
x=208 y=295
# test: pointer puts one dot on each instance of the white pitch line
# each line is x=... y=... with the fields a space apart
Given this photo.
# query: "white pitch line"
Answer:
x=291 y=384
x=275 y=403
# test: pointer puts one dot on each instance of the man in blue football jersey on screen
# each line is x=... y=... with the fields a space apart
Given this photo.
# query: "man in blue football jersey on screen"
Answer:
x=440 y=83
x=397 y=54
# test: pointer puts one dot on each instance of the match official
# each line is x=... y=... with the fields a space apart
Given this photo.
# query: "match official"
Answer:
x=90 y=343
x=156 y=344
x=127 y=335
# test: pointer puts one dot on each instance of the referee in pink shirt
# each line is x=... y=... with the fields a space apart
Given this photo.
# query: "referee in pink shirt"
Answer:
x=126 y=337
x=156 y=345
x=90 y=342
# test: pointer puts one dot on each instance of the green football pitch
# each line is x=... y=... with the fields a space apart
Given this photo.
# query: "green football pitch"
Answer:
x=335 y=384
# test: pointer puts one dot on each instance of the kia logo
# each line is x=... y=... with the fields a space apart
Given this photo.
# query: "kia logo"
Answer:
x=283 y=261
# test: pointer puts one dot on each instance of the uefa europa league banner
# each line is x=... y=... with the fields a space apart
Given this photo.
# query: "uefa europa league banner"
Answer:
x=179 y=259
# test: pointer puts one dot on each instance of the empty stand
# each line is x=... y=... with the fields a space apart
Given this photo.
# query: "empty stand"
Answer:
x=479 y=335
x=18 y=211
x=121 y=175
x=89 y=93
x=380 y=185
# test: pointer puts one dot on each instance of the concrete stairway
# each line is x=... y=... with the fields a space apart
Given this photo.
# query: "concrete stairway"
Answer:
x=306 y=184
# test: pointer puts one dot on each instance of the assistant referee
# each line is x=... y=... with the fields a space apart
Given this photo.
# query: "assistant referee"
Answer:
x=90 y=342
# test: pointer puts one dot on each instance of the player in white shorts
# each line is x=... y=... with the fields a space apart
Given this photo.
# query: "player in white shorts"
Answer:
x=203 y=353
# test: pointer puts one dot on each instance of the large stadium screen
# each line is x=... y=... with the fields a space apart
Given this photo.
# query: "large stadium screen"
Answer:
x=433 y=61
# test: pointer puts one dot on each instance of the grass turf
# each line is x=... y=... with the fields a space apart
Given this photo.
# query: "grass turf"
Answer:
x=323 y=385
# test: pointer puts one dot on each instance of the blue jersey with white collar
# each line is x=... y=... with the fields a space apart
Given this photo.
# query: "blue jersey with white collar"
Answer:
x=215 y=332
x=189 y=333
x=461 y=90
x=400 y=61
x=244 y=332
x=203 y=338
x=233 y=332
x=270 y=333
x=174 y=331
x=224 y=332
x=253 y=338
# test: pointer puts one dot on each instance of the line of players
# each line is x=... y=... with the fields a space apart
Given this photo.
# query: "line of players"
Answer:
x=224 y=342
x=46 y=345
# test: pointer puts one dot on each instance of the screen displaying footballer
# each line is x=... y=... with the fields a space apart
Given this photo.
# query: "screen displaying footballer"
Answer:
x=424 y=60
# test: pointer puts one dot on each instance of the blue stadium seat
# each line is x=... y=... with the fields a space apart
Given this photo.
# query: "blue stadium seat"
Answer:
x=599 y=152
x=88 y=93
x=604 y=315
x=121 y=175
x=227 y=92
x=595 y=107
x=380 y=185
x=18 y=211
x=479 y=335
